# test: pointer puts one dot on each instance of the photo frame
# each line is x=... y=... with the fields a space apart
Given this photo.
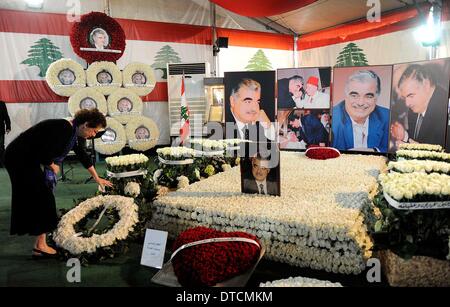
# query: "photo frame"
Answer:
x=361 y=105
x=260 y=173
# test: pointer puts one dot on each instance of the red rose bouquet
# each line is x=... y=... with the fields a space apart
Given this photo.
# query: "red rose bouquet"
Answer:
x=210 y=263
x=322 y=153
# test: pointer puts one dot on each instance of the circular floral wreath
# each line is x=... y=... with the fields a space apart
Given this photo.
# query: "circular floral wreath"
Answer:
x=108 y=73
x=65 y=77
x=66 y=237
x=113 y=140
x=87 y=98
x=142 y=133
x=139 y=78
x=81 y=31
x=124 y=105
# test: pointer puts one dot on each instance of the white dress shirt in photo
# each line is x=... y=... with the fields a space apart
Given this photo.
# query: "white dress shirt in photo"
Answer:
x=269 y=132
x=360 y=134
x=262 y=186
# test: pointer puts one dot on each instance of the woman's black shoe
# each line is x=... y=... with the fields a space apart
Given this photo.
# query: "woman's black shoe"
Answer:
x=38 y=254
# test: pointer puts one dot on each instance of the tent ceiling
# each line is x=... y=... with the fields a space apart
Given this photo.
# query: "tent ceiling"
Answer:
x=323 y=14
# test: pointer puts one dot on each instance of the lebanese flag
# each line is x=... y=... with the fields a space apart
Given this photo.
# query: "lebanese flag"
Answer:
x=184 y=124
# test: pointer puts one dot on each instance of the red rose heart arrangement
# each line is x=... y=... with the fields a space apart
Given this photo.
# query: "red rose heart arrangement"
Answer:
x=210 y=263
x=322 y=153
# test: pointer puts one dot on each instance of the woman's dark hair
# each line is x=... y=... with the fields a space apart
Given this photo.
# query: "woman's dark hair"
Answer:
x=94 y=118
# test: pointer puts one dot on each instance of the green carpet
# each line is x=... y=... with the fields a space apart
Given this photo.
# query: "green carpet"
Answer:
x=18 y=269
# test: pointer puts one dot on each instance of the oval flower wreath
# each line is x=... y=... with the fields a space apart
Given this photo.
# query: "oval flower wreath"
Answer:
x=113 y=140
x=124 y=105
x=104 y=76
x=81 y=33
x=142 y=133
x=139 y=78
x=66 y=237
x=87 y=98
x=65 y=77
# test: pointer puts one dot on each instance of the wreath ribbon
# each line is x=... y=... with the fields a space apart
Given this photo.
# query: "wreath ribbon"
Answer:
x=126 y=174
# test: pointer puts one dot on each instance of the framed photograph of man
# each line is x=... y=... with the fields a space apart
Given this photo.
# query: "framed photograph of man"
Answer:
x=361 y=108
x=138 y=78
x=420 y=103
x=66 y=77
x=142 y=133
x=104 y=77
x=109 y=136
x=124 y=105
x=99 y=39
x=88 y=103
x=302 y=128
x=250 y=105
x=260 y=174
x=307 y=88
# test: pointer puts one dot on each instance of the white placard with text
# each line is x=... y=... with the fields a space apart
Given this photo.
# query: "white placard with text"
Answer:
x=154 y=248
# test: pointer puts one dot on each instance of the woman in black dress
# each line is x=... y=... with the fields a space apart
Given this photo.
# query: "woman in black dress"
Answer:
x=30 y=162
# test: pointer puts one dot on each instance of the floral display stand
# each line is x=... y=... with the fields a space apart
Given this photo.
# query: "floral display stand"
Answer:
x=419 y=271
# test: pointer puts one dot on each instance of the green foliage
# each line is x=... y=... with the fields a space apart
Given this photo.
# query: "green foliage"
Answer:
x=351 y=55
x=411 y=232
x=259 y=62
x=42 y=54
x=164 y=56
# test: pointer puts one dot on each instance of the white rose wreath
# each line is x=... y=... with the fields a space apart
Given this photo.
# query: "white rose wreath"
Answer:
x=66 y=237
x=113 y=140
x=65 y=77
x=124 y=105
x=139 y=78
x=142 y=133
x=87 y=98
x=104 y=76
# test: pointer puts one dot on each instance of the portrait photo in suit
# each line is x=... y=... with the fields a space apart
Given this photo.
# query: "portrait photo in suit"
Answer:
x=420 y=103
x=361 y=108
x=250 y=105
x=303 y=128
x=260 y=175
x=99 y=39
x=307 y=88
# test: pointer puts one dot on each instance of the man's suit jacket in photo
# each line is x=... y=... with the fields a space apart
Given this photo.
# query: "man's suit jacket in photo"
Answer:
x=251 y=187
x=434 y=123
x=343 y=131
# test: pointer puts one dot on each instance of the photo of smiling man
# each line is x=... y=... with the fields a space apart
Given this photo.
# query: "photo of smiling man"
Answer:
x=361 y=108
x=250 y=105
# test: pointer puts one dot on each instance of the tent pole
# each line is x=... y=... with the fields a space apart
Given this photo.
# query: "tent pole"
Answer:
x=212 y=19
x=295 y=53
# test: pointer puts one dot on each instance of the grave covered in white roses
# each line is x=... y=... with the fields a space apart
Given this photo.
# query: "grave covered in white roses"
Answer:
x=317 y=222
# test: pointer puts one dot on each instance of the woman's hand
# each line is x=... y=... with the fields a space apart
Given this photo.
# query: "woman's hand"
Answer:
x=55 y=168
x=103 y=182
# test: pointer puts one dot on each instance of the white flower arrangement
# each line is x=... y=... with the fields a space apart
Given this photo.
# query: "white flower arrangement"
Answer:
x=132 y=101
x=109 y=69
x=175 y=153
x=142 y=141
x=66 y=238
x=132 y=189
x=300 y=282
x=113 y=140
x=410 y=186
x=87 y=98
x=322 y=229
x=127 y=160
x=183 y=182
x=65 y=77
x=143 y=69
x=423 y=155
x=418 y=146
x=425 y=166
